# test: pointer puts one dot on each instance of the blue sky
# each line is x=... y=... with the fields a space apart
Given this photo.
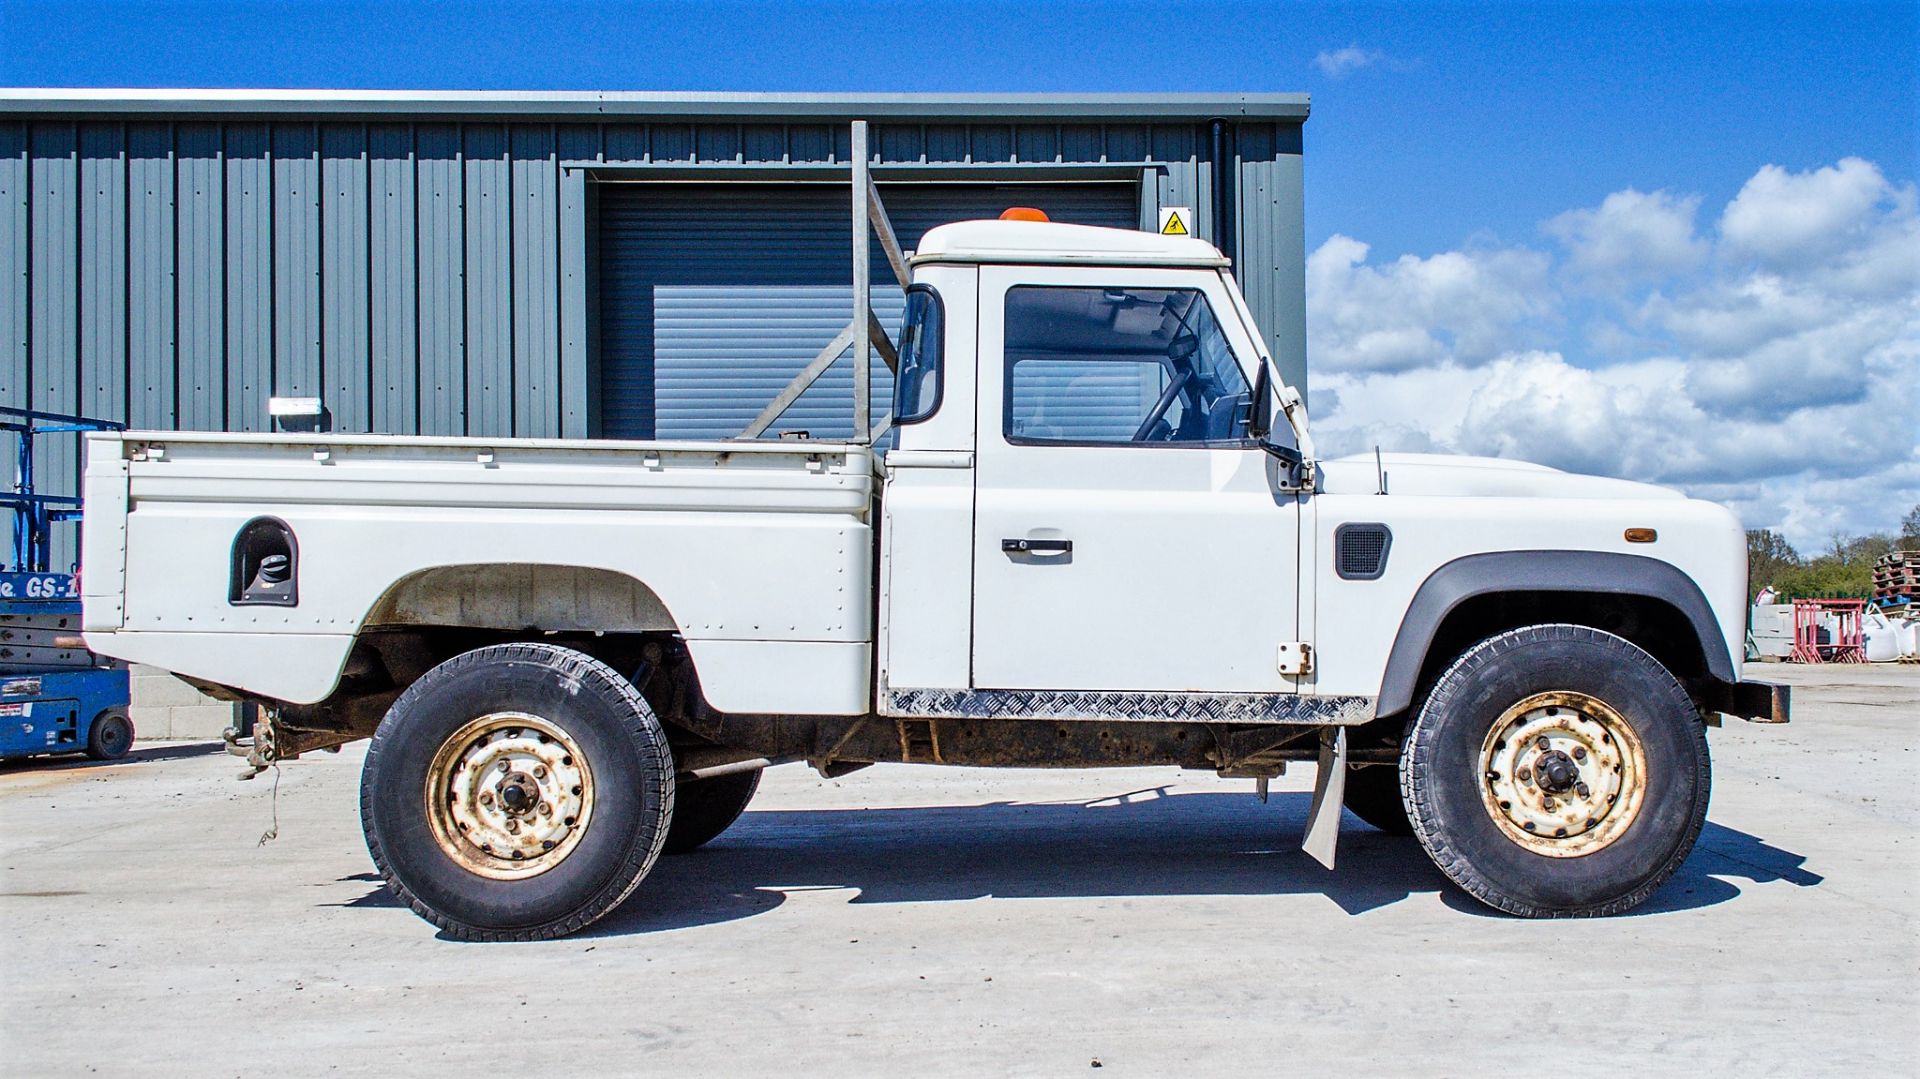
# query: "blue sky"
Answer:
x=1675 y=241
x=1461 y=119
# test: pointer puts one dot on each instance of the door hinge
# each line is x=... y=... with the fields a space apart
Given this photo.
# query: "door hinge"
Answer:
x=1296 y=657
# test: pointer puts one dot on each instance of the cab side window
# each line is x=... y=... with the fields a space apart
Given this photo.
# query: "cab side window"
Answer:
x=916 y=390
x=1109 y=366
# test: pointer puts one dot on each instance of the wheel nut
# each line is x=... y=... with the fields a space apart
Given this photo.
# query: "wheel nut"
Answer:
x=1579 y=753
x=1584 y=791
x=1524 y=775
x=539 y=771
x=1543 y=744
x=1548 y=805
x=546 y=810
x=506 y=766
x=513 y=826
x=486 y=798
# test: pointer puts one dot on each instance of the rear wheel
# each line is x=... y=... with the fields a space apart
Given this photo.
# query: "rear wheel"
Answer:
x=704 y=808
x=517 y=792
x=111 y=736
x=1557 y=771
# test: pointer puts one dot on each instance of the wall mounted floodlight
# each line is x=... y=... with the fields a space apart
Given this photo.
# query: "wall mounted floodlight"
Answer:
x=298 y=415
x=293 y=406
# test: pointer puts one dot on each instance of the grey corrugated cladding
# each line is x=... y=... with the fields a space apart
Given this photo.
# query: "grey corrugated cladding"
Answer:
x=713 y=296
x=424 y=262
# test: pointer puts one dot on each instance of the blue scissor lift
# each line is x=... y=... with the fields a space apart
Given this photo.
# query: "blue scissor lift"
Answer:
x=55 y=696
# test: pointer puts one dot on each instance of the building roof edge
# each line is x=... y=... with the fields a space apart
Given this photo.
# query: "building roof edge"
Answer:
x=649 y=104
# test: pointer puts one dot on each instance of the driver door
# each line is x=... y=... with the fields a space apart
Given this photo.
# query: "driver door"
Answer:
x=1128 y=536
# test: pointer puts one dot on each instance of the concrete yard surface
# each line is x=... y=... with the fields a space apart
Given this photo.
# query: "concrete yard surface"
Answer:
x=904 y=921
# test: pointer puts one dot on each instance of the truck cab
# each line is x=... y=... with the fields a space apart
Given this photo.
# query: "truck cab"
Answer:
x=1094 y=531
x=1077 y=501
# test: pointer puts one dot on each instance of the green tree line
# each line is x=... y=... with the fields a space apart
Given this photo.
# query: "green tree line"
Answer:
x=1845 y=568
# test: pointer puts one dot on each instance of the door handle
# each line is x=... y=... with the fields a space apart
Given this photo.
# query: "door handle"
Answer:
x=1037 y=546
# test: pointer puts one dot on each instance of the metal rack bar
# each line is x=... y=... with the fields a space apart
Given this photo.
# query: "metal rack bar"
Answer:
x=863 y=333
x=862 y=289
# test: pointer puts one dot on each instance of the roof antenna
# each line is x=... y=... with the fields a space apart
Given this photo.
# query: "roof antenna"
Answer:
x=1379 y=470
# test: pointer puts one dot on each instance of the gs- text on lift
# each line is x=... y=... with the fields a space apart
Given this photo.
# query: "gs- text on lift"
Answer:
x=55 y=695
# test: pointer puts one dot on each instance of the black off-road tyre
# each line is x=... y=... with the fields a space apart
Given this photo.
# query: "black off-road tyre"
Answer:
x=111 y=736
x=1373 y=794
x=704 y=808
x=1441 y=759
x=580 y=698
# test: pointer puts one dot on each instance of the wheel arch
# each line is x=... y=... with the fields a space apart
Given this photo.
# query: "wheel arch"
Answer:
x=435 y=614
x=1648 y=602
x=521 y=596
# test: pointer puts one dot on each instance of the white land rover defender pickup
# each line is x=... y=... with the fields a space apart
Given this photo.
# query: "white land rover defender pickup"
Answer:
x=1101 y=536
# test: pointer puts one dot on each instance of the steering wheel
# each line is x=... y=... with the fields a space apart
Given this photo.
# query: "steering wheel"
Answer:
x=1143 y=432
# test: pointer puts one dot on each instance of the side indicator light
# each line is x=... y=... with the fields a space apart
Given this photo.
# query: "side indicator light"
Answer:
x=1023 y=213
x=1641 y=535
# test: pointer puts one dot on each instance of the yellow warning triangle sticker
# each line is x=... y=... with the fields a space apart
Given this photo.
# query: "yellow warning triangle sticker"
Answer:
x=1174 y=226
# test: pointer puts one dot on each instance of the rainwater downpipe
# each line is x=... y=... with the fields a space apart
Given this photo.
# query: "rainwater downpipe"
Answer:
x=1223 y=194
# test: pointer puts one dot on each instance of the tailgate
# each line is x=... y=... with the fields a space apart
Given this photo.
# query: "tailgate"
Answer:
x=103 y=539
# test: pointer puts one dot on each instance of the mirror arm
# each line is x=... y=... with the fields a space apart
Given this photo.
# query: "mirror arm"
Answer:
x=1296 y=411
x=1298 y=476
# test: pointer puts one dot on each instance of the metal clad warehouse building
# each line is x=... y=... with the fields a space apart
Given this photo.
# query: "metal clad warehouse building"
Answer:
x=549 y=264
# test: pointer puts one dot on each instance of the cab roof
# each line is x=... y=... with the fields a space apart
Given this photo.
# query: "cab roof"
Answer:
x=1030 y=242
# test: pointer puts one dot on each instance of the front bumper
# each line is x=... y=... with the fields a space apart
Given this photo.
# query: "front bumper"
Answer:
x=1758 y=702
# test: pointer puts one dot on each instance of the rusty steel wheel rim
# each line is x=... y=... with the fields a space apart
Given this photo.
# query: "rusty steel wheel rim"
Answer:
x=509 y=795
x=1563 y=774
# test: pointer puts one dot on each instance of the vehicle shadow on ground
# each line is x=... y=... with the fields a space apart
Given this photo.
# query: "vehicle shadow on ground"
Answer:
x=1721 y=852
x=1145 y=843
x=147 y=754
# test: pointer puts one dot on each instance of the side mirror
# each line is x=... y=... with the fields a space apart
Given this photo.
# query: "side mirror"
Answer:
x=1260 y=420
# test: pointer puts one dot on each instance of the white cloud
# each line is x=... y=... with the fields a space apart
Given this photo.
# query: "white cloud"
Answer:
x=1821 y=351
x=1786 y=217
x=1415 y=312
x=1335 y=63
x=1630 y=236
x=1765 y=368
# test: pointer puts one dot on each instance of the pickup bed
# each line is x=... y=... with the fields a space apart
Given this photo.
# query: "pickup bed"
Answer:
x=1100 y=536
x=771 y=542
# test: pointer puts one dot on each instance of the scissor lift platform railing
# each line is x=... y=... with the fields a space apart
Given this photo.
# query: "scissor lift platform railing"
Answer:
x=55 y=695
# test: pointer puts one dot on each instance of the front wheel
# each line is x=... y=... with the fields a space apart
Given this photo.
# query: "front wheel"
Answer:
x=1557 y=771
x=517 y=792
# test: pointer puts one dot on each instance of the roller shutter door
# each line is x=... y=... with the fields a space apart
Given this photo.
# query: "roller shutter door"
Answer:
x=713 y=296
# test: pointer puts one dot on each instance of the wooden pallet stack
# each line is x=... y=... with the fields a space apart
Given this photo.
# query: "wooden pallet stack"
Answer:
x=1896 y=578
